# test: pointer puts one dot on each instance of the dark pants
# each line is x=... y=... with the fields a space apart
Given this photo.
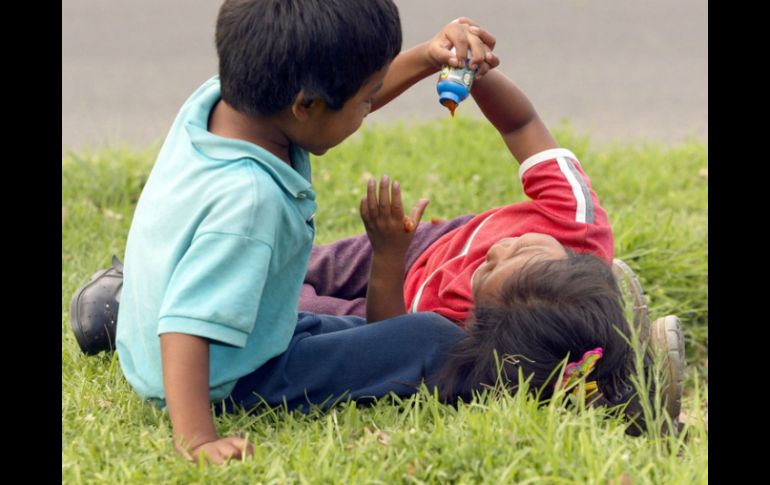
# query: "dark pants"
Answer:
x=336 y=279
x=332 y=358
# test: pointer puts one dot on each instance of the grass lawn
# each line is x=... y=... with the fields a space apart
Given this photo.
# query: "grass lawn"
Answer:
x=656 y=197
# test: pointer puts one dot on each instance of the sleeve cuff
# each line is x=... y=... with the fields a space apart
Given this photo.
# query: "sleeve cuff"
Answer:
x=544 y=156
x=202 y=328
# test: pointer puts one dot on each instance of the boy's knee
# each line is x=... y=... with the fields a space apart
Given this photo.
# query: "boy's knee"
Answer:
x=430 y=320
x=431 y=330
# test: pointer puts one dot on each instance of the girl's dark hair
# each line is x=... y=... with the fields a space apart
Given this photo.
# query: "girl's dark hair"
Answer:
x=269 y=50
x=547 y=311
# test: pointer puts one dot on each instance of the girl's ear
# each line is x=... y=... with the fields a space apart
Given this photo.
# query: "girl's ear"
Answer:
x=303 y=105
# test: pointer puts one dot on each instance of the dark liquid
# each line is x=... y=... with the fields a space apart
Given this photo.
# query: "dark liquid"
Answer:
x=451 y=105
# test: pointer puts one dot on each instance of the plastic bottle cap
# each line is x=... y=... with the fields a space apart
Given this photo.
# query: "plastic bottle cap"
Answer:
x=449 y=95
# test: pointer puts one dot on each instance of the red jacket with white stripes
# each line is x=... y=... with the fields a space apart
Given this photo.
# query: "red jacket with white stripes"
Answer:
x=563 y=205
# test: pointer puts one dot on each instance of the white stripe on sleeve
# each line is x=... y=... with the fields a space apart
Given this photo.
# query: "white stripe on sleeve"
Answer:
x=544 y=156
x=577 y=189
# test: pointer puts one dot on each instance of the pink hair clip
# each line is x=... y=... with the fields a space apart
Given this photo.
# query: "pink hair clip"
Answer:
x=577 y=370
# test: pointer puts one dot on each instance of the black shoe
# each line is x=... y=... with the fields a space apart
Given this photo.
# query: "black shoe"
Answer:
x=94 y=309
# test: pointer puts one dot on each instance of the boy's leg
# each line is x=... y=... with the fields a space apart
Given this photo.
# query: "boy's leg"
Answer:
x=338 y=273
x=334 y=358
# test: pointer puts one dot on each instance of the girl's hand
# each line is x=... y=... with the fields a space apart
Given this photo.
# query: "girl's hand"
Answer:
x=463 y=34
x=390 y=231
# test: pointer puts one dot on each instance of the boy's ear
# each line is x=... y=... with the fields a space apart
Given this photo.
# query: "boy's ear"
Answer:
x=302 y=106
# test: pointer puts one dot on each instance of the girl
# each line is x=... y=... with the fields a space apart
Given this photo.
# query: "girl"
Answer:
x=531 y=281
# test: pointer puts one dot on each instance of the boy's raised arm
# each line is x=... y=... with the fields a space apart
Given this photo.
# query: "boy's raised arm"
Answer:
x=185 y=360
x=510 y=111
x=427 y=58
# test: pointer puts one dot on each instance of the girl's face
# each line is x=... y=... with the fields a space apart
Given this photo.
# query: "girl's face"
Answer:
x=507 y=256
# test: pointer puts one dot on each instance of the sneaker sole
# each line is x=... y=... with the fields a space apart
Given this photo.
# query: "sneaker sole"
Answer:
x=666 y=337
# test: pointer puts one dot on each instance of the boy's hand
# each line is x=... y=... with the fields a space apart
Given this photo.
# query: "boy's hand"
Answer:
x=462 y=34
x=220 y=450
x=390 y=231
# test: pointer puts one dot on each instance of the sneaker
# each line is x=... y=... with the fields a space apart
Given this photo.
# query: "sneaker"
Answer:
x=633 y=297
x=666 y=340
x=94 y=309
x=664 y=336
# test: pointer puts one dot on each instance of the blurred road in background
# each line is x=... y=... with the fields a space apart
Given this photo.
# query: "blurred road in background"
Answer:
x=619 y=69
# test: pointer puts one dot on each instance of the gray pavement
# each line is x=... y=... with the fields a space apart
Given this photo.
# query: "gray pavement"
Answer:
x=620 y=69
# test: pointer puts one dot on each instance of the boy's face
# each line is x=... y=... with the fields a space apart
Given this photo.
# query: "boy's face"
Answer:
x=507 y=256
x=329 y=128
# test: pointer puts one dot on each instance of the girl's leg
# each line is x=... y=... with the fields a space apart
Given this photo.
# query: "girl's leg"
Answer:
x=310 y=301
x=340 y=269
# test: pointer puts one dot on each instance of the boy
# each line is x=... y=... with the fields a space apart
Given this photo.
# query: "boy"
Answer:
x=222 y=232
x=531 y=279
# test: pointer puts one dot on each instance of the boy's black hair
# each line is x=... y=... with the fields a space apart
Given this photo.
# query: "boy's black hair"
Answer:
x=269 y=50
x=548 y=311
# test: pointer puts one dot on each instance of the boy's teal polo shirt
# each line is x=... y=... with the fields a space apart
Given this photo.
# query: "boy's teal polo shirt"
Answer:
x=218 y=248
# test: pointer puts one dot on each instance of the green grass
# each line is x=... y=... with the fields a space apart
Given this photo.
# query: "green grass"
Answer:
x=656 y=197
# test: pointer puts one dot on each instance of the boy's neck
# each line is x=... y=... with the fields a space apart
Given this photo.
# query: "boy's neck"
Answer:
x=266 y=132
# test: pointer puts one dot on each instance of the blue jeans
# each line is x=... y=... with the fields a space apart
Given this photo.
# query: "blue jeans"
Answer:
x=332 y=358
